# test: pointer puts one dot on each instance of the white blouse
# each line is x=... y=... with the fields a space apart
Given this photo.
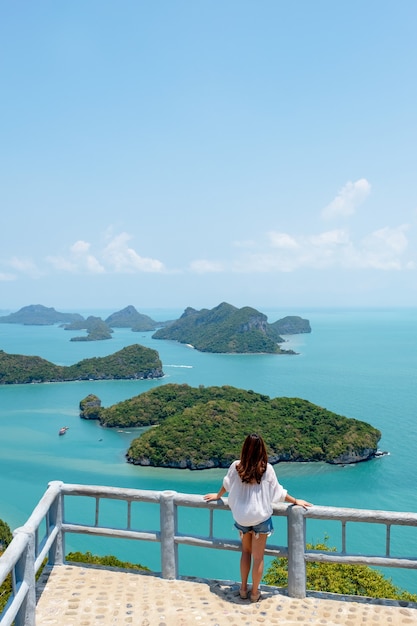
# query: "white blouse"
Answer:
x=251 y=503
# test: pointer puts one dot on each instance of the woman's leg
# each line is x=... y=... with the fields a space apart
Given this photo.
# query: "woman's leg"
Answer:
x=245 y=560
x=258 y=551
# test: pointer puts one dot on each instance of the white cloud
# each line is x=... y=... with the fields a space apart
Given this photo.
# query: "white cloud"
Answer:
x=348 y=199
x=383 y=249
x=79 y=260
x=121 y=258
x=7 y=277
x=80 y=247
x=92 y=265
x=202 y=266
x=25 y=266
x=336 y=237
x=83 y=260
x=282 y=240
x=117 y=257
x=61 y=264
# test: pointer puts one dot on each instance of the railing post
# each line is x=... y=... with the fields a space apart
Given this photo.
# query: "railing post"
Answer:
x=24 y=573
x=56 y=555
x=296 y=548
x=169 y=549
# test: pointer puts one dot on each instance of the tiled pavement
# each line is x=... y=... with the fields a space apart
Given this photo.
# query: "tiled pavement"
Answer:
x=72 y=595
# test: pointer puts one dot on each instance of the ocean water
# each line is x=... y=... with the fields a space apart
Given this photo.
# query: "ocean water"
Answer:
x=360 y=363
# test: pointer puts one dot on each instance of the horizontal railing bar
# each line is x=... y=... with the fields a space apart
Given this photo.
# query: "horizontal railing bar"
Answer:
x=197 y=502
x=117 y=533
x=317 y=512
x=112 y=493
x=219 y=544
x=352 y=559
x=362 y=515
x=225 y=544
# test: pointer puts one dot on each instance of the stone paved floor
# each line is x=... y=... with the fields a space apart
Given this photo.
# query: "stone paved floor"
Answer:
x=72 y=595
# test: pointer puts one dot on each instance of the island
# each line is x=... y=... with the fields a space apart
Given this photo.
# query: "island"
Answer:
x=39 y=315
x=96 y=328
x=129 y=317
x=204 y=427
x=227 y=329
x=132 y=362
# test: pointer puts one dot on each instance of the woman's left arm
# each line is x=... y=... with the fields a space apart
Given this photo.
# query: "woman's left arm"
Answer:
x=297 y=501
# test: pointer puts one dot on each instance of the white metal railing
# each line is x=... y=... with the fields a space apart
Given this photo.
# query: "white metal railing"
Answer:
x=30 y=546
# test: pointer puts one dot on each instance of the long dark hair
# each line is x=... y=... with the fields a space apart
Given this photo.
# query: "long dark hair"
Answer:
x=253 y=459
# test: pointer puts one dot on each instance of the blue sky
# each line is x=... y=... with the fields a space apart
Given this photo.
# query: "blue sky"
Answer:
x=184 y=153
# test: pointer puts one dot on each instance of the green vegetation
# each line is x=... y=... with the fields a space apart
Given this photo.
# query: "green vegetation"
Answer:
x=5 y=535
x=6 y=588
x=228 y=329
x=107 y=561
x=95 y=327
x=131 y=362
x=204 y=427
x=354 y=580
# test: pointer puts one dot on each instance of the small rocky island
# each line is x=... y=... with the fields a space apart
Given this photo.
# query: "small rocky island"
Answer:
x=132 y=362
x=227 y=329
x=202 y=428
x=96 y=328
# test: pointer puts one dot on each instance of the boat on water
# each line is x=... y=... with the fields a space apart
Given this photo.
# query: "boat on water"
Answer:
x=63 y=430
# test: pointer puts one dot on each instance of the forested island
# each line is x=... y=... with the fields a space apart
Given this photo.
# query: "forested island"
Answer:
x=227 y=329
x=204 y=427
x=132 y=362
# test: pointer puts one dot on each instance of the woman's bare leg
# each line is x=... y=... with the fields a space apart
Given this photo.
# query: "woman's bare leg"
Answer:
x=258 y=551
x=245 y=560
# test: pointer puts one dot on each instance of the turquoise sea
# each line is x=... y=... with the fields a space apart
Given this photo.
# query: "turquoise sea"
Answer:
x=360 y=363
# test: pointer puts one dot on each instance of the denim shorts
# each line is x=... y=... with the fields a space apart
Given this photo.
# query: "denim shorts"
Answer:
x=264 y=528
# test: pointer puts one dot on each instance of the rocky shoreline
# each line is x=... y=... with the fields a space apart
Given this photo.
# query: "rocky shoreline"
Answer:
x=348 y=458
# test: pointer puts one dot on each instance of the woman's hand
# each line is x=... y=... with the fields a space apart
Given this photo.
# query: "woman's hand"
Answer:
x=210 y=497
x=303 y=503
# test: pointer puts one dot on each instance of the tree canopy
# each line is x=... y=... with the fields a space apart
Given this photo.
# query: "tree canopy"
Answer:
x=205 y=427
x=131 y=362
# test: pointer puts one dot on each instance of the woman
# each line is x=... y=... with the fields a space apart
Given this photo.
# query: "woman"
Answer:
x=253 y=487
